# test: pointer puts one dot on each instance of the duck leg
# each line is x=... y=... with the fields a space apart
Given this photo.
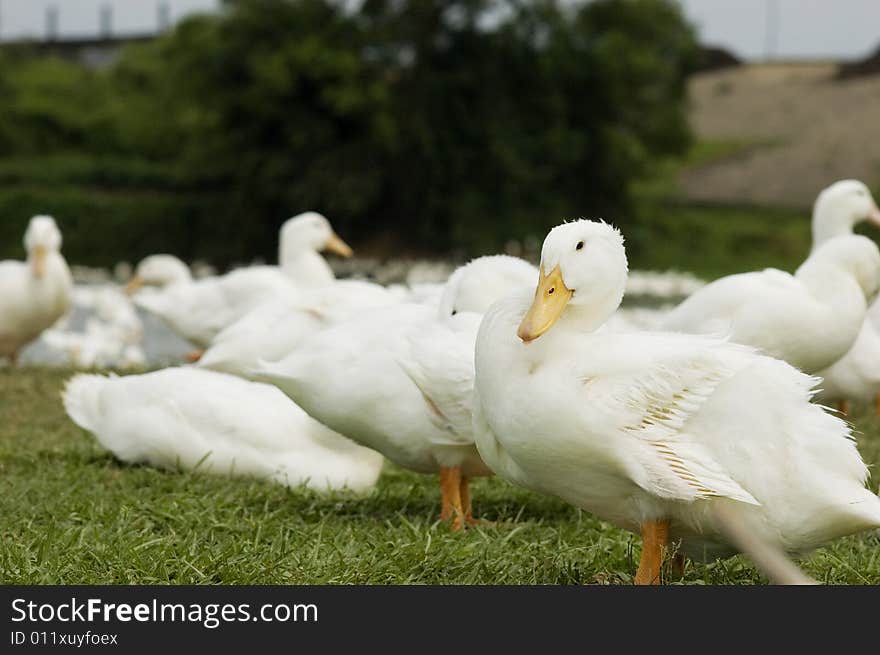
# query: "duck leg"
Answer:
x=464 y=491
x=877 y=404
x=843 y=407
x=655 y=536
x=450 y=488
x=678 y=564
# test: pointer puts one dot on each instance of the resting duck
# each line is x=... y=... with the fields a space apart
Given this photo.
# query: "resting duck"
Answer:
x=184 y=418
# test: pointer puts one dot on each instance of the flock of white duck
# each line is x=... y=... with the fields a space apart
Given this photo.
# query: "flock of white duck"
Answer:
x=669 y=427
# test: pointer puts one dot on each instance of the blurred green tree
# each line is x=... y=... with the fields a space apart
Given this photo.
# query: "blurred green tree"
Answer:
x=429 y=124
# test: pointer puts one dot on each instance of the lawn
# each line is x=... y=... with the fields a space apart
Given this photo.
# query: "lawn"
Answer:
x=70 y=513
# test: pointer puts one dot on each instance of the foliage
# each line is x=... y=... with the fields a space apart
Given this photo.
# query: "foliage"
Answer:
x=430 y=125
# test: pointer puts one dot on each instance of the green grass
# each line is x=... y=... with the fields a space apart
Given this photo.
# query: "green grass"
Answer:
x=70 y=513
x=712 y=241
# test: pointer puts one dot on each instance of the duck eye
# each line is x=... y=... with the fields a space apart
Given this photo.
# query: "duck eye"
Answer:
x=579 y=246
x=551 y=290
x=454 y=312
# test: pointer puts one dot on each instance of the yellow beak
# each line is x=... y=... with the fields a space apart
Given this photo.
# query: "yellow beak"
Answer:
x=337 y=246
x=39 y=261
x=551 y=297
x=134 y=284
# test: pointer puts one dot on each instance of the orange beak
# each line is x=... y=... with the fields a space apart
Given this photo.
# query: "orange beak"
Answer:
x=134 y=284
x=551 y=297
x=338 y=246
x=39 y=261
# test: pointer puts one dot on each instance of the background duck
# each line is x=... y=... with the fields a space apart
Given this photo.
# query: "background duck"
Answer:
x=840 y=207
x=199 y=310
x=400 y=379
x=809 y=319
x=276 y=328
x=158 y=272
x=856 y=375
x=185 y=418
x=36 y=293
x=661 y=434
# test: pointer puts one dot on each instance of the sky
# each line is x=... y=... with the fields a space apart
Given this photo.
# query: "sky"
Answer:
x=27 y=18
x=788 y=29
x=752 y=29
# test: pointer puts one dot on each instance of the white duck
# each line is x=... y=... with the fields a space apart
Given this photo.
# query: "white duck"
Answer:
x=276 y=328
x=399 y=380
x=159 y=271
x=99 y=345
x=840 y=207
x=663 y=434
x=856 y=375
x=36 y=293
x=199 y=310
x=219 y=424
x=809 y=319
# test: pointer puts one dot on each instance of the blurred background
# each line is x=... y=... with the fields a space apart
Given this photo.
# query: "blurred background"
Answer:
x=434 y=128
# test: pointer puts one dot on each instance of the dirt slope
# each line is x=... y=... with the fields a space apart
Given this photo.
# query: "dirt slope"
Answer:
x=806 y=128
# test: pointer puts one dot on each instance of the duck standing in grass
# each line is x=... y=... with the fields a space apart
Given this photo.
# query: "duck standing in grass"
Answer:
x=399 y=379
x=36 y=293
x=665 y=435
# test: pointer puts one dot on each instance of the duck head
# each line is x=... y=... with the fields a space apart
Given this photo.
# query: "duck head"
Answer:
x=479 y=283
x=583 y=269
x=159 y=271
x=41 y=238
x=840 y=207
x=309 y=232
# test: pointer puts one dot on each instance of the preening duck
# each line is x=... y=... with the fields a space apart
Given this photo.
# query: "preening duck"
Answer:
x=660 y=434
x=36 y=293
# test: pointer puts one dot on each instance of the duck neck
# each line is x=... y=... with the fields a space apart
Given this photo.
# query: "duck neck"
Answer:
x=181 y=277
x=833 y=286
x=829 y=223
x=56 y=277
x=589 y=317
x=306 y=266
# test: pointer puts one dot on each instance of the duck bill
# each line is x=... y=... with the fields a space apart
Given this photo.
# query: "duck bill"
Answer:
x=551 y=297
x=874 y=215
x=39 y=261
x=337 y=246
x=133 y=285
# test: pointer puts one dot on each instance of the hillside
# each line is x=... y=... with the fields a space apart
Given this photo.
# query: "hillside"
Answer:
x=798 y=127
